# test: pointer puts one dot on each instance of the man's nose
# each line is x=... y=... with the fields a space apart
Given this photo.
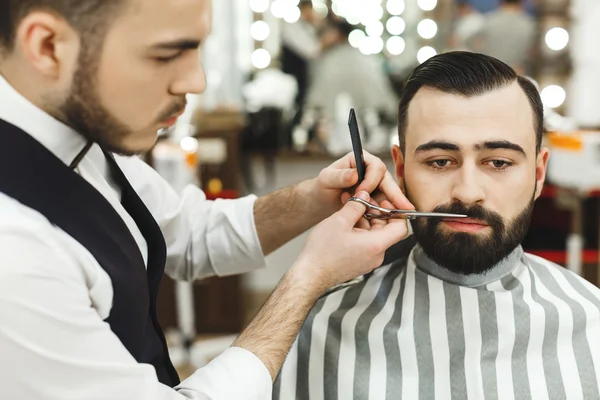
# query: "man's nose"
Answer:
x=467 y=189
x=192 y=79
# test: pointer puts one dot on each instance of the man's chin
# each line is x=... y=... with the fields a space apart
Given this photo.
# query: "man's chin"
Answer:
x=132 y=146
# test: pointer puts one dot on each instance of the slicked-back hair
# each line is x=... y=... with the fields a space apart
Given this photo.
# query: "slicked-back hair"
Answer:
x=469 y=75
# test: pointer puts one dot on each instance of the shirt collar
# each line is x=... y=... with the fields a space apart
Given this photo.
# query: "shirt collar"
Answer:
x=64 y=142
x=500 y=270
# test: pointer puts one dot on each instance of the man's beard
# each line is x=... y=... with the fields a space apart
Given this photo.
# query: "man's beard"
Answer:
x=466 y=253
x=83 y=111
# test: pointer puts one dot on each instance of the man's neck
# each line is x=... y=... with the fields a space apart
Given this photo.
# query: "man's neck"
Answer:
x=27 y=87
x=500 y=270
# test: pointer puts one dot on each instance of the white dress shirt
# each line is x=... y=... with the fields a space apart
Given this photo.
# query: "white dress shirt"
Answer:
x=54 y=296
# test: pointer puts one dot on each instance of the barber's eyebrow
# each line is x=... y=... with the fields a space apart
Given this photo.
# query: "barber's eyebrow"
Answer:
x=181 y=44
x=500 y=144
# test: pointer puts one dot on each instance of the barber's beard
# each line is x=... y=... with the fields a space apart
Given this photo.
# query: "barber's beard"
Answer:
x=467 y=253
x=84 y=112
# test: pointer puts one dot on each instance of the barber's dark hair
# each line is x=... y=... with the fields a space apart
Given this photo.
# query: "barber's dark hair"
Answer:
x=89 y=17
x=466 y=74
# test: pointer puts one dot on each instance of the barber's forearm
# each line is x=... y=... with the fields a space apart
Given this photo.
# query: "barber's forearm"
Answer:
x=273 y=331
x=281 y=216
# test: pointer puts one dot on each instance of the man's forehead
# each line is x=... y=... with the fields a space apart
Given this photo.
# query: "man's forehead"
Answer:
x=502 y=113
x=164 y=20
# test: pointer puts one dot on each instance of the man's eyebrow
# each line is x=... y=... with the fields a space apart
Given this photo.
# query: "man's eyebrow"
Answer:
x=500 y=144
x=436 y=145
x=181 y=44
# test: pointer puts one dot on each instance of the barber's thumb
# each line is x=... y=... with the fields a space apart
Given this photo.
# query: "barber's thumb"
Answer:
x=353 y=211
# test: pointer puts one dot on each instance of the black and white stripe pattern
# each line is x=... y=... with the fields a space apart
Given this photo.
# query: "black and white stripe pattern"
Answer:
x=402 y=333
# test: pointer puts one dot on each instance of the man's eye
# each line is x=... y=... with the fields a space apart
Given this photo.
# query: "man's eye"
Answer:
x=439 y=163
x=500 y=164
x=166 y=60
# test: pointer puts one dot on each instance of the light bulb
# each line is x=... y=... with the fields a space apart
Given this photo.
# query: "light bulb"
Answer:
x=259 y=6
x=553 y=96
x=261 y=58
x=356 y=37
x=395 y=7
x=260 y=30
x=427 y=5
x=557 y=38
x=395 y=25
x=427 y=28
x=395 y=45
x=425 y=53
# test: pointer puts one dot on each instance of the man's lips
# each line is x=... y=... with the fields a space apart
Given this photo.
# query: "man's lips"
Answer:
x=171 y=120
x=468 y=225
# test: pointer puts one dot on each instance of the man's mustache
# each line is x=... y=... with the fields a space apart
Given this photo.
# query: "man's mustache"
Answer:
x=175 y=109
x=474 y=211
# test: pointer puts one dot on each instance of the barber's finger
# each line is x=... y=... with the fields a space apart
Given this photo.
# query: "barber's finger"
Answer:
x=386 y=204
x=353 y=211
x=345 y=162
x=364 y=223
x=389 y=190
x=333 y=178
x=345 y=197
x=391 y=233
x=375 y=171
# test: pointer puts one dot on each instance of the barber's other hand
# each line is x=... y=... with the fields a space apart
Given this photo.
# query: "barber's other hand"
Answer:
x=337 y=250
x=331 y=187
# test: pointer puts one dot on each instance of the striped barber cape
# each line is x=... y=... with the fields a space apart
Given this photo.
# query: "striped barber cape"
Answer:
x=528 y=329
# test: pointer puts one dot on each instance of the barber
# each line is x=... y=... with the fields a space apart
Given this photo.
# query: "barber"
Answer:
x=87 y=230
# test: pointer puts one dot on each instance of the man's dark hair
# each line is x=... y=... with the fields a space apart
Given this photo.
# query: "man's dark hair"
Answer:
x=89 y=17
x=466 y=74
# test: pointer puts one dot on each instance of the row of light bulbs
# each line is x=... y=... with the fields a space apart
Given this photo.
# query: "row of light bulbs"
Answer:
x=369 y=41
x=366 y=12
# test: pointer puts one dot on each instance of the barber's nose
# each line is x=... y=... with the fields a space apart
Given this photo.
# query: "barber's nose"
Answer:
x=467 y=189
x=192 y=81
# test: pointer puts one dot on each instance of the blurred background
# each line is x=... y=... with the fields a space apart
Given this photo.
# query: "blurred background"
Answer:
x=282 y=76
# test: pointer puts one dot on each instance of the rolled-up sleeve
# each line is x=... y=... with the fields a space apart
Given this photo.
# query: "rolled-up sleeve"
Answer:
x=204 y=237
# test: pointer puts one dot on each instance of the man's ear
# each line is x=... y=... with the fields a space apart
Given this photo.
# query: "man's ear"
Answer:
x=47 y=42
x=398 y=164
x=540 y=170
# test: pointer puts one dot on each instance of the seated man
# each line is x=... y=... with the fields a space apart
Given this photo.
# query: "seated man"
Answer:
x=459 y=311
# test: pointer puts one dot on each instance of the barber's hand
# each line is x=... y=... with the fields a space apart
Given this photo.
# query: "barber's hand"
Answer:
x=331 y=187
x=337 y=250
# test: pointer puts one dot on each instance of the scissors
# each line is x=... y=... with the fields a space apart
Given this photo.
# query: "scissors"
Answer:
x=387 y=213
x=360 y=166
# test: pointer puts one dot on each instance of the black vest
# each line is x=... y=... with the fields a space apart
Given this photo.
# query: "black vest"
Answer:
x=35 y=177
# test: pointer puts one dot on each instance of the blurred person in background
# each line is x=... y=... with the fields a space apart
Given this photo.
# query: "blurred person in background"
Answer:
x=300 y=46
x=468 y=26
x=509 y=35
x=344 y=69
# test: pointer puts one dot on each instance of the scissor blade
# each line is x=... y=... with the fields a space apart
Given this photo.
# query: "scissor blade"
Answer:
x=408 y=214
x=431 y=215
